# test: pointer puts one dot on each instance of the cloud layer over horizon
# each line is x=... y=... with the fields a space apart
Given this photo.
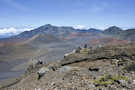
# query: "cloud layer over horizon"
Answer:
x=10 y=31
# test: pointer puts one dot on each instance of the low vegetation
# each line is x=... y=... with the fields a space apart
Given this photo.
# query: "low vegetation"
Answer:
x=109 y=80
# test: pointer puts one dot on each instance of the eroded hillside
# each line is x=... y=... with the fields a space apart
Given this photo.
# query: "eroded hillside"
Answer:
x=100 y=68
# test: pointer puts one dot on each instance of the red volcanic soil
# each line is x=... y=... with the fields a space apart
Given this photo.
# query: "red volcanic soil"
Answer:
x=10 y=42
x=74 y=35
x=108 y=41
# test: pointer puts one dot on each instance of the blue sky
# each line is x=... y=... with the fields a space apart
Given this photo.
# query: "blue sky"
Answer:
x=81 y=13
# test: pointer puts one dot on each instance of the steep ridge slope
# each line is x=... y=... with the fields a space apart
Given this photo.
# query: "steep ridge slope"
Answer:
x=109 y=67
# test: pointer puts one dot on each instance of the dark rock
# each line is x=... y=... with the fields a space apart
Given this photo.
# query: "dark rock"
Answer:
x=94 y=69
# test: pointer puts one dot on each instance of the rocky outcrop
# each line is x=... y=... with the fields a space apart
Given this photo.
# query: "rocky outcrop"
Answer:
x=107 y=52
x=104 y=68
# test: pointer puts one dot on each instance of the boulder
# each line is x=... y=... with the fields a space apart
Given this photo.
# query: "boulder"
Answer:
x=123 y=83
x=42 y=72
x=65 y=69
x=133 y=82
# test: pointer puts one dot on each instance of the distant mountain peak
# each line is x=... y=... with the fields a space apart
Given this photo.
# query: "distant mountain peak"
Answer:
x=48 y=25
x=113 y=30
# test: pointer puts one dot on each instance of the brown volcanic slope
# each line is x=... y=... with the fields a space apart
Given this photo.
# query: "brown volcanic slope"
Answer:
x=25 y=48
x=28 y=43
x=108 y=41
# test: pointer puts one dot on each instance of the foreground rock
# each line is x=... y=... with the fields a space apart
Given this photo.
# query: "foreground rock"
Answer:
x=105 y=68
x=79 y=76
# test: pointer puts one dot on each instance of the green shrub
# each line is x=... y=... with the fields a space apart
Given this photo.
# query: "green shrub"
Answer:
x=84 y=51
x=116 y=78
x=103 y=83
x=109 y=79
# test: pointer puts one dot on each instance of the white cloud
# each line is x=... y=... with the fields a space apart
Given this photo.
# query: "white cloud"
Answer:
x=80 y=27
x=12 y=31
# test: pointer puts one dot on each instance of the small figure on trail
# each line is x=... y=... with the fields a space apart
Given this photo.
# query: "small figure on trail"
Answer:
x=85 y=46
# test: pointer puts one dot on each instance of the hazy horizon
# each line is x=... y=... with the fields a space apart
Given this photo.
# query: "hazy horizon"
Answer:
x=19 y=15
